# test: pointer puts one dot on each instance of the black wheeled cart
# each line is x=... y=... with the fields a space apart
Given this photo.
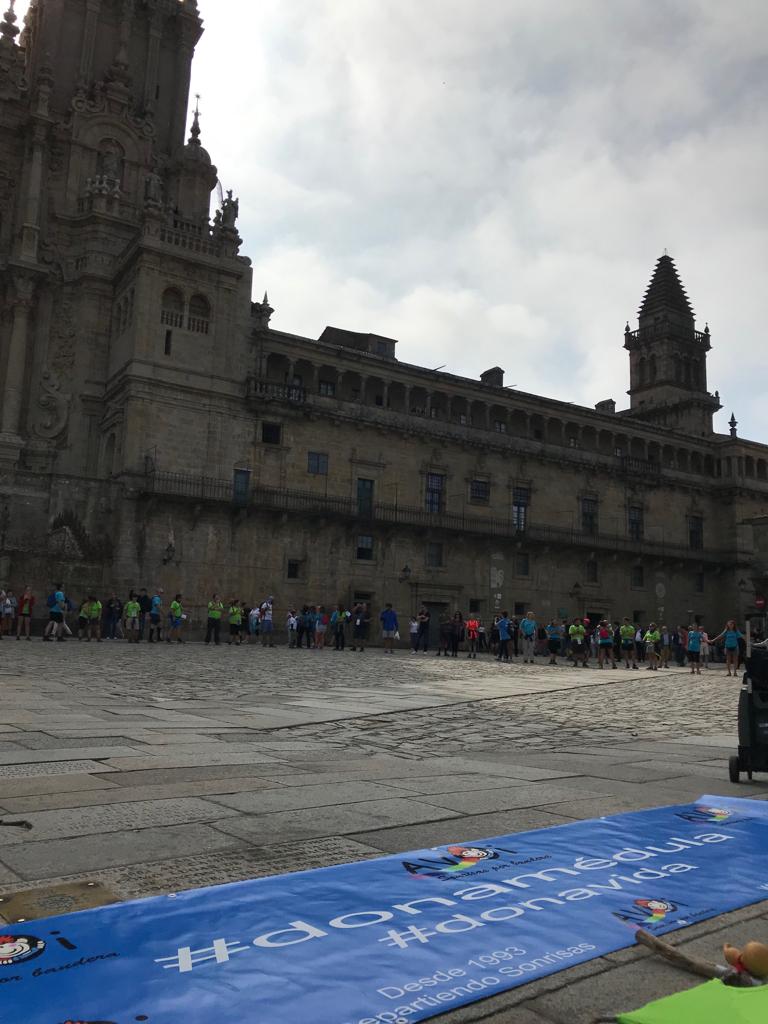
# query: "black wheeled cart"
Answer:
x=753 y=718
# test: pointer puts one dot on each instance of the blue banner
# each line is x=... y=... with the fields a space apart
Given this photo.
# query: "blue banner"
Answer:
x=393 y=940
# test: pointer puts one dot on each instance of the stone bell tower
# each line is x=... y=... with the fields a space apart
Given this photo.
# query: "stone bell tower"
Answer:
x=668 y=358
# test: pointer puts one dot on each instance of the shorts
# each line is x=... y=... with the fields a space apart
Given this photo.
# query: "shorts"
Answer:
x=388 y=634
x=253 y=627
x=627 y=645
x=266 y=625
x=57 y=616
x=577 y=646
x=82 y=621
x=154 y=618
x=234 y=629
x=320 y=627
x=554 y=646
x=175 y=623
x=694 y=657
x=133 y=622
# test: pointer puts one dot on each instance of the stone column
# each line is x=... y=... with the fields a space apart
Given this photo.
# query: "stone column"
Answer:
x=17 y=357
x=153 y=58
x=89 y=38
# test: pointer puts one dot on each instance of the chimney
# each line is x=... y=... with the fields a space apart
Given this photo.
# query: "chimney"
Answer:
x=607 y=405
x=494 y=377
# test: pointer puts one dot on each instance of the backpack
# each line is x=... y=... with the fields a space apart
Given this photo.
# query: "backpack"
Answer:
x=51 y=602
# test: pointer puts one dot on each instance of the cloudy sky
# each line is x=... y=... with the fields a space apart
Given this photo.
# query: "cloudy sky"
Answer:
x=492 y=181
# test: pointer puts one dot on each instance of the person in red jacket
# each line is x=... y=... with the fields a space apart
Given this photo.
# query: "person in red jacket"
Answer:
x=473 y=633
x=24 y=621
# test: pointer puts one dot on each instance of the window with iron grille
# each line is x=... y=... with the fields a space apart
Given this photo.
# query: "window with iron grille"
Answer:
x=479 y=492
x=327 y=388
x=365 y=547
x=696 y=533
x=522 y=564
x=500 y=426
x=589 y=515
x=635 y=522
x=293 y=571
x=637 y=576
x=434 y=492
x=317 y=463
x=521 y=499
x=434 y=555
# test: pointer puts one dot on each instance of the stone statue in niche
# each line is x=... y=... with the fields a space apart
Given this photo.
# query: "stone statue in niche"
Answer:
x=111 y=161
x=153 y=190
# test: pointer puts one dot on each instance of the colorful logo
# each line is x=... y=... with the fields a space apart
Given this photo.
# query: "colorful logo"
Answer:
x=706 y=815
x=459 y=858
x=657 y=909
x=15 y=949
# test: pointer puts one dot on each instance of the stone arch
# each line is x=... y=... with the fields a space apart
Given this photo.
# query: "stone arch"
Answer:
x=499 y=419
x=327 y=381
x=172 y=308
x=573 y=435
x=396 y=397
x=668 y=456
x=459 y=409
x=620 y=445
x=654 y=451
x=439 y=405
x=374 y=391
x=304 y=375
x=478 y=415
x=350 y=386
x=419 y=400
x=536 y=425
x=606 y=444
x=518 y=423
x=199 y=318
x=554 y=430
x=637 y=448
x=277 y=367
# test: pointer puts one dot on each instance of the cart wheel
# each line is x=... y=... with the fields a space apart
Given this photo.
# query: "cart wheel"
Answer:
x=733 y=768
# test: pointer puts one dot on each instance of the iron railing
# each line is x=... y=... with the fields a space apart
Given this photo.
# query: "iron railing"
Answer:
x=210 y=489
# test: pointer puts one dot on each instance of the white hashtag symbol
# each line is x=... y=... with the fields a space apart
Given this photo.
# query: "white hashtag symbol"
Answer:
x=187 y=958
x=410 y=934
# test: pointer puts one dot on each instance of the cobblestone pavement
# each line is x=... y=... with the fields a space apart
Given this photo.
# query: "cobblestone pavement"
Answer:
x=124 y=758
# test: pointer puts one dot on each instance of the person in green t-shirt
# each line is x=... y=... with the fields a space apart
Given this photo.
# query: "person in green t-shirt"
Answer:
x=93 y=614
x=213 y=628
x=235 y=622
x=627 y=634
x=652 y=641
x=577 y=636
x=177 y=620
x=132 y=613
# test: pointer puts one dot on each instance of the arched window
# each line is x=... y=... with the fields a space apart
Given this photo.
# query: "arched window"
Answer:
x=652 y=369
x=172 y=313
x=199 y=319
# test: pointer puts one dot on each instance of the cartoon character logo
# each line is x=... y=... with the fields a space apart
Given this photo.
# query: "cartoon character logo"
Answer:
x=15 y=949
x=657 y=909
x=456 y=858
x=706 y=815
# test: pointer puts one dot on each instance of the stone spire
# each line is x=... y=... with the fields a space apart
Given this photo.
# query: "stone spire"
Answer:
x=8 y=29
x=665 y=294
x=194 y=134
x=732 y=423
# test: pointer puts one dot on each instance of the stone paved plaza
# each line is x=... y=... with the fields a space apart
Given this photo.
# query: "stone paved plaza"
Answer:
x=153 y=769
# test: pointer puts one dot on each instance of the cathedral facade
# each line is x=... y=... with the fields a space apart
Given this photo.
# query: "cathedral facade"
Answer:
x=155 y=430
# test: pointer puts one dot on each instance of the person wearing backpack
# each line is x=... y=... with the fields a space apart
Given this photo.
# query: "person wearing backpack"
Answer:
x=604 y=644
x=57 y=605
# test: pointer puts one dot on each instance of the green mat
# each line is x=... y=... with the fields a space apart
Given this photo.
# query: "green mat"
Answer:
x=711 y=1003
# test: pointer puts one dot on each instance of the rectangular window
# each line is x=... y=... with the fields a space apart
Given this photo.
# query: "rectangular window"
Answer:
x=479 y=492
x=589 y=520
x=434 y=555
x=317 y=463
x=364 y=498
x=699 y=583
x=696 y=533
x=618 y=452
x=591 y=571
x=500 y=426
x=520 y=609
x=294 y=569
x=365 y=547
x=637 y=577
x=241 y=487
x=327 y=388
x=521 y=499
x=271 y=433
x=434 y=492
x=522 y=564
x=463 y=419
x=168 y=342
x=474 y=604
x=635 y=522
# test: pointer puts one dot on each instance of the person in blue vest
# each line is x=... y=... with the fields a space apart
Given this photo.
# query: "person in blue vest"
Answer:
x=731 y=635
x=503 y=625
x=528 y=630
x=389 y=627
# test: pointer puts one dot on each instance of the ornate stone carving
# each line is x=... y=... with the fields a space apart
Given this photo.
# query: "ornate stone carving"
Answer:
x=56 y=404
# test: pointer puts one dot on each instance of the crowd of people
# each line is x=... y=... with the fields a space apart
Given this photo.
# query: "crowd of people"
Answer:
x=152 y=618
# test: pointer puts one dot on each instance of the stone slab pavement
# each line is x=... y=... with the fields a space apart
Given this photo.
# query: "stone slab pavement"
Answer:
x=152 y=769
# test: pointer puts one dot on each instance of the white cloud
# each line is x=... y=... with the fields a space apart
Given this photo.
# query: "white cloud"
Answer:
x=492 y=183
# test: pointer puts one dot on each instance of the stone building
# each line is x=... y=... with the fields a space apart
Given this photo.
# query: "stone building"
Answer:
x=155 y=429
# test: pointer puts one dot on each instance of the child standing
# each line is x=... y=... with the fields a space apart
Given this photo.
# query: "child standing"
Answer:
x=413 y=630
x=132 y=612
